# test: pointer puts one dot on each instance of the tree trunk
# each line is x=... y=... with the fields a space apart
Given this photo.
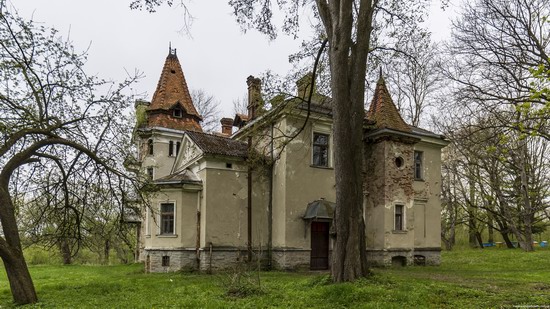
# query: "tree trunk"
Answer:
x=65 y=251
x=21 y=285
x=349 y=253
x=106 y=251
x=527 y=212
x=490 y=229
x=348 y=63
x=506 y=238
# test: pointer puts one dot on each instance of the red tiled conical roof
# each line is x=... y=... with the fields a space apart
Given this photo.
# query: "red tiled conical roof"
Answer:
x=383 y=111
x=172 y=92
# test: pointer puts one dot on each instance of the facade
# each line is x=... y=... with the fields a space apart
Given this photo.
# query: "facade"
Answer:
x=265 y=191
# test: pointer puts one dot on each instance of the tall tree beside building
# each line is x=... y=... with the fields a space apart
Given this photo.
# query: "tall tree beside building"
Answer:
x=52 y=119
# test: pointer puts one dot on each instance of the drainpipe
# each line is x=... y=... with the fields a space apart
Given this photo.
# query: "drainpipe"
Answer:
x=198 y=240
x=270 y=207
x=249 y=200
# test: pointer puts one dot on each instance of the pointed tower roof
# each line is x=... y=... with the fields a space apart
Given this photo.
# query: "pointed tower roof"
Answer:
x=172 y=87
x=172 y=94
x=383 y=110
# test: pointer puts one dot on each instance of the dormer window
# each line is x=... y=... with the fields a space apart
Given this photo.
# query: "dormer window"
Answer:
x=177 y=112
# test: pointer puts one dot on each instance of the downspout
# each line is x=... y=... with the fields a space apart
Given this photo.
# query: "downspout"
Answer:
x=270 y=207
x=249 y=201
x=198 y=240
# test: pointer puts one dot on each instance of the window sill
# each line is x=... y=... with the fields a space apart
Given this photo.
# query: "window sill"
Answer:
x=321 y=167
x=399 y=231
x=167 y=235
x=147 y=236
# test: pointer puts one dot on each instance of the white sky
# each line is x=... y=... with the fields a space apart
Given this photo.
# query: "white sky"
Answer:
x=217 y=58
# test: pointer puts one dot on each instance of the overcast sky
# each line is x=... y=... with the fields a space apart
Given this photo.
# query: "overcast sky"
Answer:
x=217 y=57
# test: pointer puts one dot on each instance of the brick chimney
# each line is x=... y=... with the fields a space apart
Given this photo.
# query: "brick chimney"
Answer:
x=254 y=96
x=227 y=126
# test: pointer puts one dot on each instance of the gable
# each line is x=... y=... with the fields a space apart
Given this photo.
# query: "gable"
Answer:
x=189 y=153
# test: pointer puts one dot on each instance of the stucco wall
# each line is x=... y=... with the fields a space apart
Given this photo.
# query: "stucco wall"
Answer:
x=303 y=184
x=225 y=205
x=185 y=226
x=159 y=160
x=427 y=193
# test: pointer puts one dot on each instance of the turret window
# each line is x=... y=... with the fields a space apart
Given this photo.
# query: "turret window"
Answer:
x=418 y=166
x=150 y=147
x=399 y=216
x=177 y=113
x=171 y=149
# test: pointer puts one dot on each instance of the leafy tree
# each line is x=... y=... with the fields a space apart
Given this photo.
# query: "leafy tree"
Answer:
x=52 y=119
x=498 y=56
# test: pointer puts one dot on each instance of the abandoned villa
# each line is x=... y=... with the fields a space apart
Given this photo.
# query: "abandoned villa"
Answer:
x=263 y=187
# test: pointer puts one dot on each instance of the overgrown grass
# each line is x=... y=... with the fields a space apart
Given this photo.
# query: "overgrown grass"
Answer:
x=466 y=279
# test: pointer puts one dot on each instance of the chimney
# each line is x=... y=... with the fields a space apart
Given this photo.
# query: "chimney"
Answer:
x=254 y=96
x=141 y=114
x=303 y=86
x=227 y=126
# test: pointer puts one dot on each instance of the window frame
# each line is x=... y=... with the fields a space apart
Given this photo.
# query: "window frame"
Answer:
x=418 y=165
x=161 y=231
x=315 y=146
x=150 y=147
x=177 y=112
x=171 y=149
x=165 y=261
x=399 y=218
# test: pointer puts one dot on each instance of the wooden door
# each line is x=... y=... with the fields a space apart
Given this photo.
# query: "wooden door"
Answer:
x=319 y=245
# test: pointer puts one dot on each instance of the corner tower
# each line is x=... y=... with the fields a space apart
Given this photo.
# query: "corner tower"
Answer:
x=172 y=106
x=160 y=124
x=389 y=198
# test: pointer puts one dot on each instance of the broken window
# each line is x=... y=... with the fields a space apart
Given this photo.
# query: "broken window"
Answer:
x=320 y=149
x=418 y=173
x=399 y=214
x=167 y=218
x=166 y=261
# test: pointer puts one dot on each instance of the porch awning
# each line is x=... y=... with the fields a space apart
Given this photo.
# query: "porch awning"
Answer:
x=320 y=209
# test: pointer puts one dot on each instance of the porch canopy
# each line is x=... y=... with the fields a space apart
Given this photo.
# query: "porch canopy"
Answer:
x=320 y=210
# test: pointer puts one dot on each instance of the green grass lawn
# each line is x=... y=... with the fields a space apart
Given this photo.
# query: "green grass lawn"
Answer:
x=466 y=279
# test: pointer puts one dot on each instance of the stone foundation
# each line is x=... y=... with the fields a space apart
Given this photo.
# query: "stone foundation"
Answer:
x=174 y=260
x=291 y=259
x=403 y=257
x=223 y=258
